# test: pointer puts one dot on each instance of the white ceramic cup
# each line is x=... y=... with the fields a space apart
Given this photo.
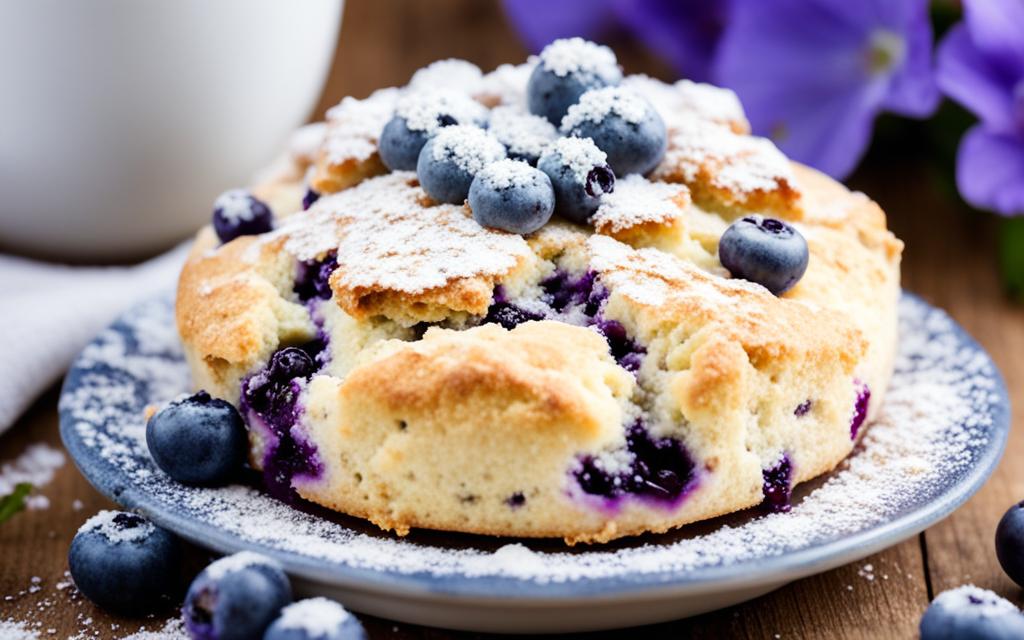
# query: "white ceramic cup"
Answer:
x=121 y=120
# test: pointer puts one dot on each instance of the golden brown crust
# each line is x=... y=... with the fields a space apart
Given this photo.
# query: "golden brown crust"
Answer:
x=438 y=430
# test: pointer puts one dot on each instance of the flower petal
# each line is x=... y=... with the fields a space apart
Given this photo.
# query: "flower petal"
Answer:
x=799 y=69
x=912 y=89
x=683 y=32
x=990 y=171
x=541 y=21
x=964 y=75
x=997 y=28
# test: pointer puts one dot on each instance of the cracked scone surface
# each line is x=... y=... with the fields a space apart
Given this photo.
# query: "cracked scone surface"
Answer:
x=583 y=383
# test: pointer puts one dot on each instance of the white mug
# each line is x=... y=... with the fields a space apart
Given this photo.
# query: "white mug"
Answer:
x=121 y=120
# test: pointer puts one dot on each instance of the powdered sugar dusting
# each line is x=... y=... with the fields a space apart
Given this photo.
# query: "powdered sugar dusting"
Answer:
x=507 y=84
x=735 y=162
x=237 y=562
x=470 y=148
x=506 y=174
x=686 y=99
x=460 y=75
x=980 y=602
x=386 y=238
x=106 y=523
x=235 y=205
x=36 y=466
x=422 y=110
x=524 y=134
x=579 y=56
x=596 y=104
x=353 y=126
x=316 y=616
x=637 y=201
x=934 y=429
x=579 y=154
x=306 y=141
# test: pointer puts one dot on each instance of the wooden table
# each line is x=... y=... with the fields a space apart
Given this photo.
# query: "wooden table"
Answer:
x=949 y=261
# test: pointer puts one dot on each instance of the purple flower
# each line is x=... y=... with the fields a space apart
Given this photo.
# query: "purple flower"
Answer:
x=814 y=74
x=684 y=33
x=981 y=66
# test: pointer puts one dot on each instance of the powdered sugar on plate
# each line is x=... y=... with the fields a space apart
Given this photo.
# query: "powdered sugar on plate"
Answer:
x=937 y=434
x=36 y=466
x=638 y=201
x=579 y=56
x=596 y=104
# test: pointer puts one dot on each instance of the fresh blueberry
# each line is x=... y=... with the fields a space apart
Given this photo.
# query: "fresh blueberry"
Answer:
x=236 y=598
x=567 y=69
x=621 y=123
x=579 y=174
x=512 y=196
x=238 y=213
x=315 y=619
x=420 y=115
x=970 y=613
x=199 y=440
x=449 y=161
x=764 y=250
x=1010 y=543
x=125 y=563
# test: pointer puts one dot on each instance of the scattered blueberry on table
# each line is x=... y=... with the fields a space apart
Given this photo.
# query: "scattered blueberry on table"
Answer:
x=315 y=619
x=1010 y=543
x=198 y=440
x=512 y=196
x=238 y=213
x=236 y=598
x=125 y=564
x=970 y=613
x=764 y=250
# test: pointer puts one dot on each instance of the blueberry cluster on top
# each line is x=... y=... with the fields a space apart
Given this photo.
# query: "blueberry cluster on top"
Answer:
x=572 y=94
x=558 y=153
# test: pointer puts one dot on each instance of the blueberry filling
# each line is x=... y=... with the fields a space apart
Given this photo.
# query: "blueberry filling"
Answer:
x=778 y=487
x=860 y=408
x=313 y=279
x=566 y=295
x=516 y=500
x=660 y=469
x=803 y=408
x=270 y=399
x=309 y=198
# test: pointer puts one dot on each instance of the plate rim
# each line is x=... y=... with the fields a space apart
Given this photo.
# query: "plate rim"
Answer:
x=513 y=591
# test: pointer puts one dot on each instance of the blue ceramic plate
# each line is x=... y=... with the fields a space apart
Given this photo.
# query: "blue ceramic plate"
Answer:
x=940 y=432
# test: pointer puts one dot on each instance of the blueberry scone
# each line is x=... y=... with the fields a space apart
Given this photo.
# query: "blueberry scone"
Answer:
x=545 y=301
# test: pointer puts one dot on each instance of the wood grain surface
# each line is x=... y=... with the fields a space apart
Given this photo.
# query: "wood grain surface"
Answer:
x=949 y=261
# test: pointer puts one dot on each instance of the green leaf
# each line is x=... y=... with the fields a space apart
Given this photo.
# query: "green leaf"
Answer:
x=1011 y=255
x=15 y=501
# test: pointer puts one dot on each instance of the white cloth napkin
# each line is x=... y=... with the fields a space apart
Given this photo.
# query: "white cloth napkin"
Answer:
x=49 y=312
